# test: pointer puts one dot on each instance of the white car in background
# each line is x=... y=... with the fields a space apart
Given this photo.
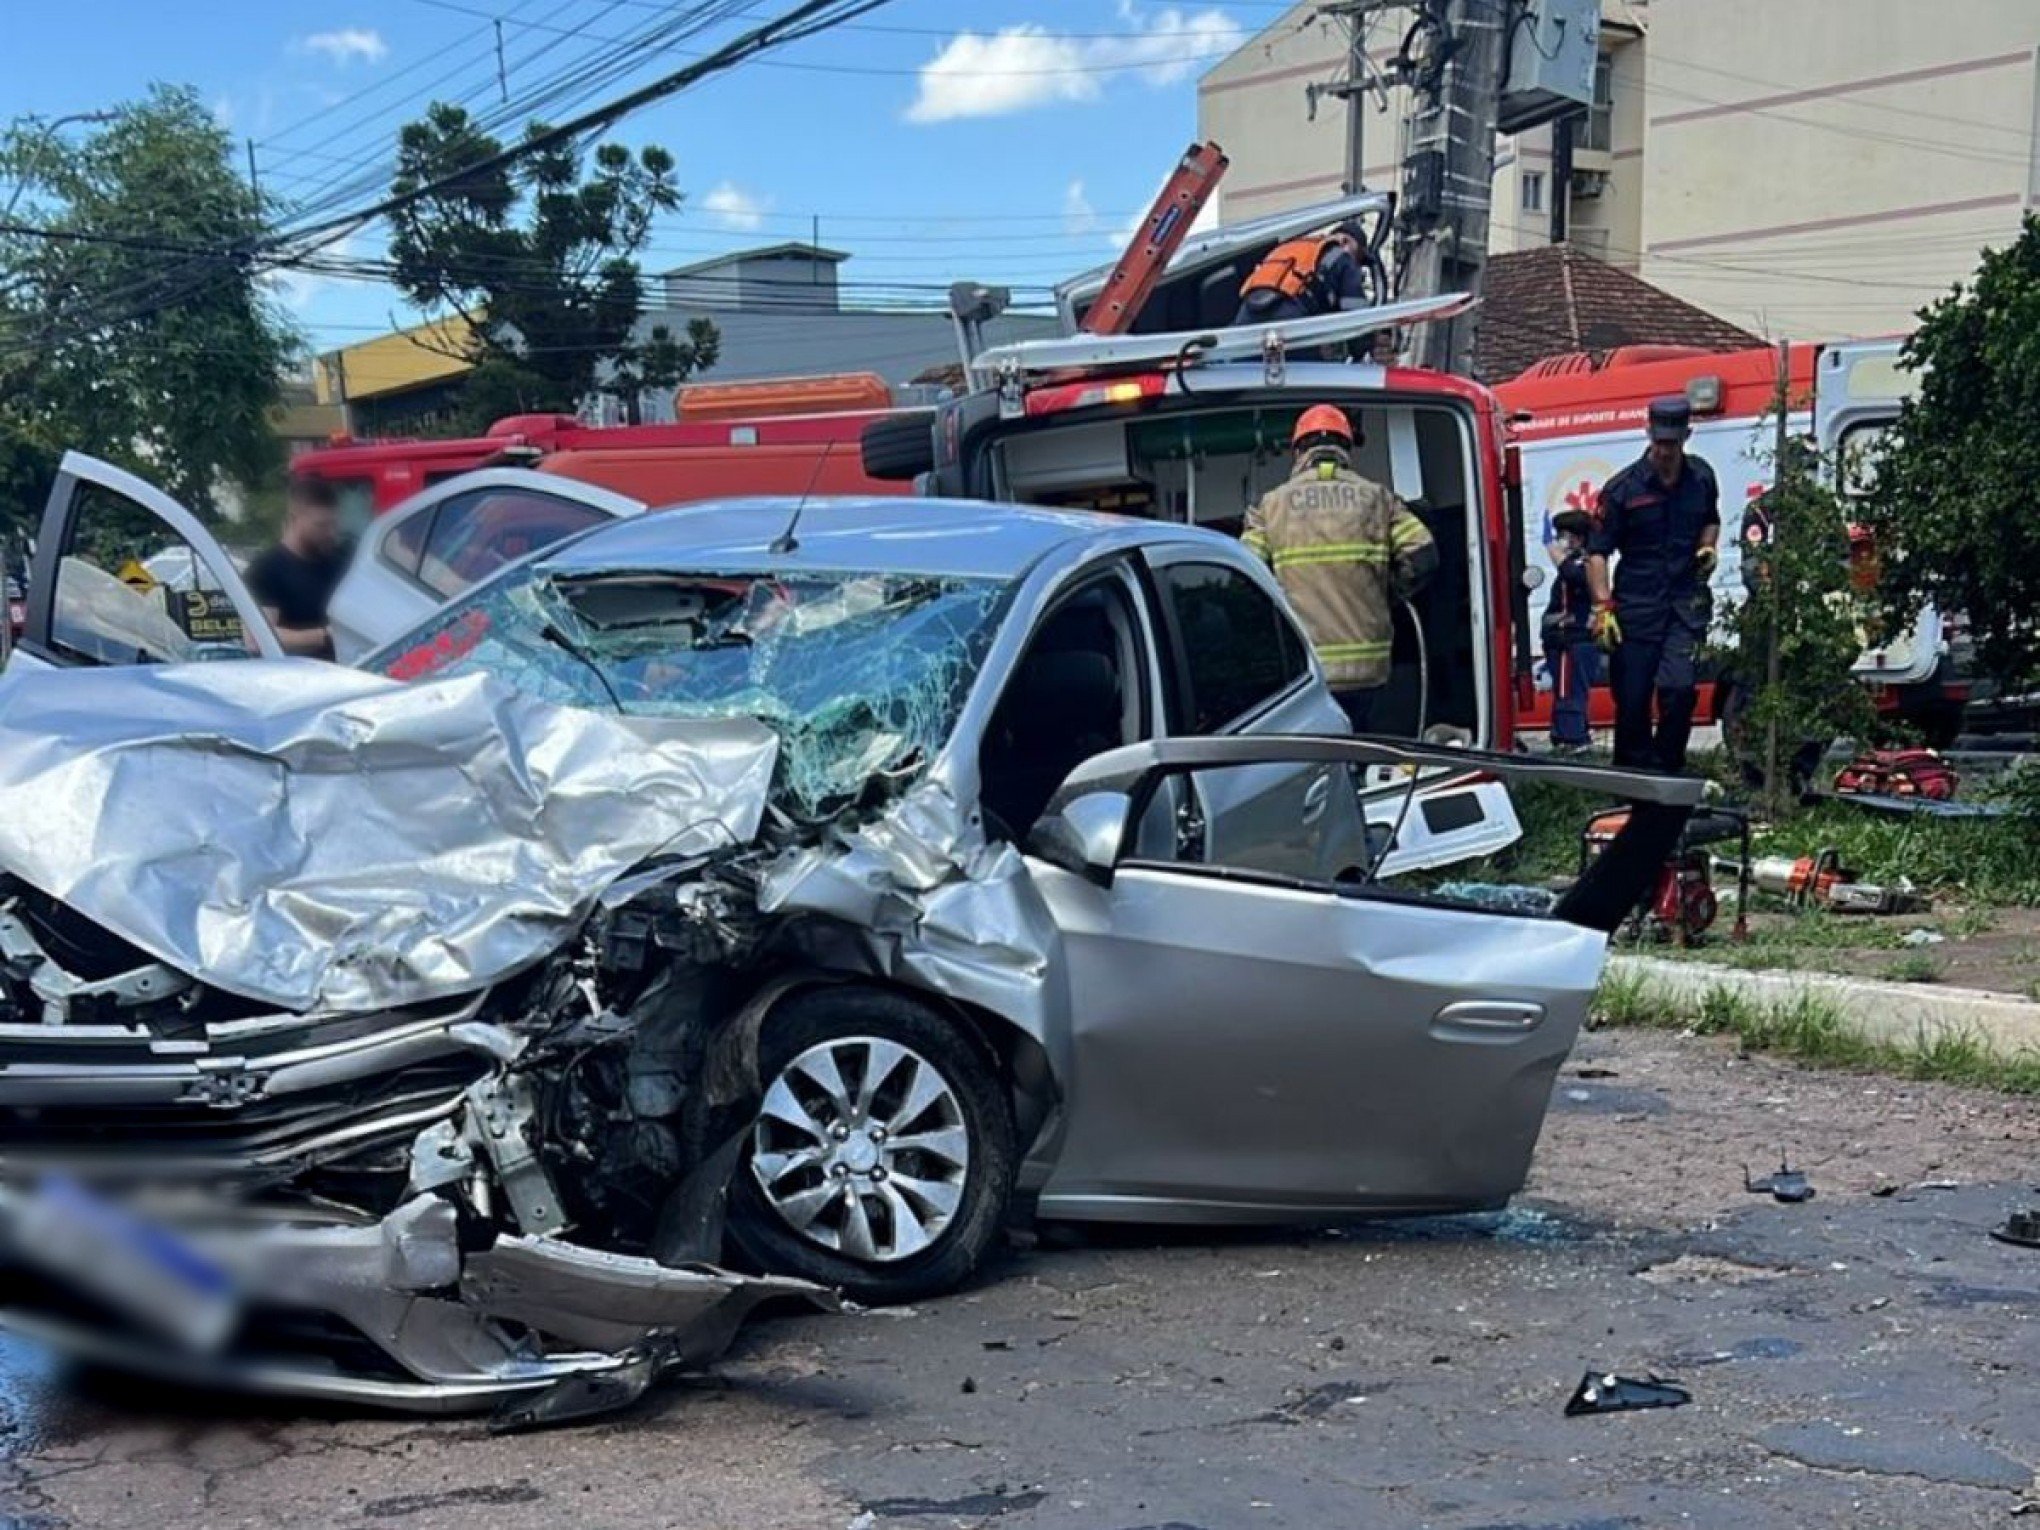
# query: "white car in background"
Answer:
x=443 y=541
x=185 y=599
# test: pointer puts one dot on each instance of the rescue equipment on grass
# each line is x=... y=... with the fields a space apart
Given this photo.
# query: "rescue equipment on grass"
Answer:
x=1898 y=773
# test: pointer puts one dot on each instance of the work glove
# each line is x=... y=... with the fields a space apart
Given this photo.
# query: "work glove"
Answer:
x=1605 y=630
x=1705 y=561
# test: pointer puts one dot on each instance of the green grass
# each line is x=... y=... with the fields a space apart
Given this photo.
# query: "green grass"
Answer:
x=1981 y=860
x=1813 y=1029
x=1795 y=946
x=1913 y=967
x=1974 y=861
x=1970 y=922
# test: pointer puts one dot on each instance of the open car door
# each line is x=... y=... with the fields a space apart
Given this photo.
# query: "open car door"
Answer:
x=1248 y=1044
x=123 y=574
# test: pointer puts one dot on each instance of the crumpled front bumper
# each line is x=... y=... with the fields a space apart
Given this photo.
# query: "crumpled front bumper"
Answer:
x=394 y=1313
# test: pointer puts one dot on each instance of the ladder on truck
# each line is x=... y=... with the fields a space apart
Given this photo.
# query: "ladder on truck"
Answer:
x=1157 y=238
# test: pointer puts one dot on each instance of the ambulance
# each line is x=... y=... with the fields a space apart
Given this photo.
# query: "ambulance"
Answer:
x=1576 y=420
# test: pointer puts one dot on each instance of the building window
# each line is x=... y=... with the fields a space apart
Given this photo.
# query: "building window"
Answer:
x=1533 y=191
x=1600 y=130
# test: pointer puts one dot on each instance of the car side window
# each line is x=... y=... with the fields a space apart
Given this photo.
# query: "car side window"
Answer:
x=405 y=544
x=130 y=590
x=1239 y=649
x=472 y=535
x=1079 y=690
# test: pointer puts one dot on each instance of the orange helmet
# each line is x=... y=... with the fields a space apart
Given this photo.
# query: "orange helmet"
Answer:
x=1321 y=425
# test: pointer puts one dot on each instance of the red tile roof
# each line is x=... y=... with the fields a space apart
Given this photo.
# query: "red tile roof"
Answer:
x=1550 y=301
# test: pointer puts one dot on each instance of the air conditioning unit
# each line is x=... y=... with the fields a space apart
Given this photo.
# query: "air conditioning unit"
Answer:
x=1589 y=185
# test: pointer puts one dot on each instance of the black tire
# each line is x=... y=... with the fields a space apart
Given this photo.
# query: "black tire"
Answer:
x=899 y=447
x=766 y=1240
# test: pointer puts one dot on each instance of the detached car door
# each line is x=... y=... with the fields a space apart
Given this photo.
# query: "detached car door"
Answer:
x=1250 y=1044
x=442 y=543
x=123 y=574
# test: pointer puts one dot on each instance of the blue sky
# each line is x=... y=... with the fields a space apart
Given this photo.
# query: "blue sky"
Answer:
x=1002 y=140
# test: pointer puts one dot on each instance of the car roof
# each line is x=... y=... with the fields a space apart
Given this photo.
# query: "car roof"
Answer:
x=953 y=537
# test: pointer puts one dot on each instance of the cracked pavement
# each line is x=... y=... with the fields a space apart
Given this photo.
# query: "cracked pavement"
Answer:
x=1865 y=1357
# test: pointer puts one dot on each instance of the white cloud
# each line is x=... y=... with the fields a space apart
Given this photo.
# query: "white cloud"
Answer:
x=1022 y=67
x=345 y=45
x=1079 y=216
x=733 y=207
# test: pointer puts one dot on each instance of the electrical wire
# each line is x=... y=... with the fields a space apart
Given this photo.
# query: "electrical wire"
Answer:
x=292 y=246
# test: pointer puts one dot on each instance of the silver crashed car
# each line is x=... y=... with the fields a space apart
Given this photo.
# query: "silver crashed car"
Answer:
x=815 y=888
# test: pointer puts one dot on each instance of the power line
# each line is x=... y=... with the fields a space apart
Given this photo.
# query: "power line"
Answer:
x=1657 y=57
x=1122 y=67
x=291 y=247
x=575 y=81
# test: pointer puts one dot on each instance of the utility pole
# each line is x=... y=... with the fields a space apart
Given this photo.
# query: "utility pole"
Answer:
x=1449 y=171
x=1355 y=15
x=254 y=181
x=502 y=69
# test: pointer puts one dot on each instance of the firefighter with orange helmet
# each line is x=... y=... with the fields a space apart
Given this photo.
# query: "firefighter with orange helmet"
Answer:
x=1344 y=550
x=1300 y=278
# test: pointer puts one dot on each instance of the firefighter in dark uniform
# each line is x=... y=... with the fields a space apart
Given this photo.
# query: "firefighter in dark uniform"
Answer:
x=1569 y=652
x=1301 y=278
x=1660 y=519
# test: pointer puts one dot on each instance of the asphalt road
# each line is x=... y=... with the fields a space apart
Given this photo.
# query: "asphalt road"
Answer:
x=1863 y=1359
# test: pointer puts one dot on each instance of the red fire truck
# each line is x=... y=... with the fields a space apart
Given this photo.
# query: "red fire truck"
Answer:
x=772 y=436
x=1187 y=416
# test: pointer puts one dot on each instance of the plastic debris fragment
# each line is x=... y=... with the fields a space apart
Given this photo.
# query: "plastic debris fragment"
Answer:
x=1605 y=1392
x=1788 y=1184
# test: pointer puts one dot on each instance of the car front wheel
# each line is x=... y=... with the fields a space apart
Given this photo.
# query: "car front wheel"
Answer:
x=882 y=1158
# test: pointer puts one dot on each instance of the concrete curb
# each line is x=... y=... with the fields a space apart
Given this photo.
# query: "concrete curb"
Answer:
x=1901 y=1014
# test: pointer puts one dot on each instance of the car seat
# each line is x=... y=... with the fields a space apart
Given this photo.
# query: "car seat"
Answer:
x=1061 y=708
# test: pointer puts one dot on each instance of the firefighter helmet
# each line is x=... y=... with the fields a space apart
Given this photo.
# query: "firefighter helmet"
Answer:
x=1322 y=425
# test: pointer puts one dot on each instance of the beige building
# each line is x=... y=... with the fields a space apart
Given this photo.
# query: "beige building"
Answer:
x=1806 y=168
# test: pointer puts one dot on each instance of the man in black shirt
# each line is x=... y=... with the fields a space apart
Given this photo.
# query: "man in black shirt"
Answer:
x=294 y=580
x=1660 y=517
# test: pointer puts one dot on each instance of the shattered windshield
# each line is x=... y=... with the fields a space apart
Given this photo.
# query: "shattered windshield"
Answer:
x=860 y=673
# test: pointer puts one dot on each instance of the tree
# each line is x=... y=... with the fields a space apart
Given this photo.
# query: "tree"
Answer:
x=539 y=260
x=1950 y=496
x=1801 y=596
x=133 y=324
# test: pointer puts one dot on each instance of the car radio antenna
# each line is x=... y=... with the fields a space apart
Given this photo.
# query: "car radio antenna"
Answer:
x=786 y=541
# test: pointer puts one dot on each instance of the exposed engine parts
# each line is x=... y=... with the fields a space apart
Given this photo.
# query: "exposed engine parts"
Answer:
x=528 y=1164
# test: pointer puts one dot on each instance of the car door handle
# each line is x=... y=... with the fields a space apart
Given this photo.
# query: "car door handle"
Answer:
x=1315 y=798
x=1487 y=1018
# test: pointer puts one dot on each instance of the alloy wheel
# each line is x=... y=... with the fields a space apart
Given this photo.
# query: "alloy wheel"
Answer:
x=860 y=1147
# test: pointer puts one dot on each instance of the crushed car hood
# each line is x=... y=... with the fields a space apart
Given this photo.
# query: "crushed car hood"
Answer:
x=321 y=839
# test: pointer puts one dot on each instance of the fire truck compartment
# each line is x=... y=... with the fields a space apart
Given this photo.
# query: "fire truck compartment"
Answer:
x=1206 y=463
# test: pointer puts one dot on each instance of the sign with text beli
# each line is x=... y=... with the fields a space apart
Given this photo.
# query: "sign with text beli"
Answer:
x=208 y=617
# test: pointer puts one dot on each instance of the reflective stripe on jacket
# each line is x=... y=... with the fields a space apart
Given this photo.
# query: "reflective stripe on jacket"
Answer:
x=1343 y=548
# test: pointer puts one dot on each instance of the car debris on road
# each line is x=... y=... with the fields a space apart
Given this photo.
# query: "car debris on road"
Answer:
x=1605 y=1392
x=1789 y=1185
x=2021 y=1229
